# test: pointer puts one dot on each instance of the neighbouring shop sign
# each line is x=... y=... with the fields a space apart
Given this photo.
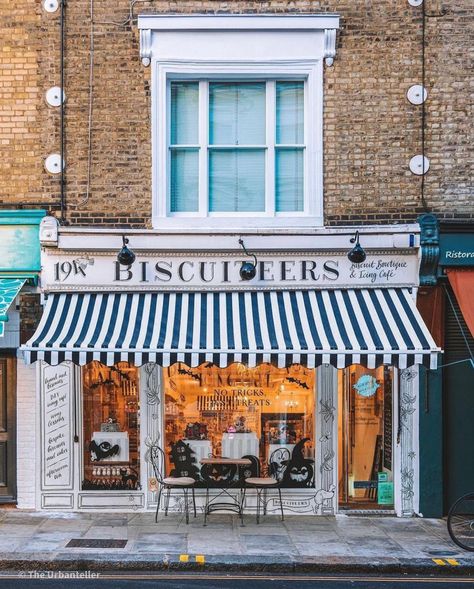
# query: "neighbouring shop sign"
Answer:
x=197 y=271
x=456 y=249
x=56 y=426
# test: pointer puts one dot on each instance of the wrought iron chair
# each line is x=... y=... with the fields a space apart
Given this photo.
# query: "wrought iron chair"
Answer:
x=185 y=484
x=262 y=484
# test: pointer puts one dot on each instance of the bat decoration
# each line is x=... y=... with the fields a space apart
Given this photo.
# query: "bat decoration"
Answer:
x=103 y=450
x=300 y=383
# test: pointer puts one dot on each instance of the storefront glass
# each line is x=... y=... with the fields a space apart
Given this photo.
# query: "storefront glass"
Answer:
x=365 y=423
x=264 y=413
x=111 y=425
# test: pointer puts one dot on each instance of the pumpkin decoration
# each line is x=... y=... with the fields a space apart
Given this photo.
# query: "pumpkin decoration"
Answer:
x=218 y=473
x=299 y=470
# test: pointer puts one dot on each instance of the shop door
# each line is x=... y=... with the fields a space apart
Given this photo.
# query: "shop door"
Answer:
x=7 y=429
x=365 y=438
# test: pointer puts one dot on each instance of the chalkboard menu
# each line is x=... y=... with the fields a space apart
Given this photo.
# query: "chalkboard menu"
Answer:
x=387 y=421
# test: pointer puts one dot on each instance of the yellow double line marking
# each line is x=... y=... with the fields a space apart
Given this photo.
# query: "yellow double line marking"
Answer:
x=199 y=558
x=444 y=562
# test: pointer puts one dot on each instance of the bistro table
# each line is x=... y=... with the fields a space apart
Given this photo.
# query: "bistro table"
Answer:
x=235 y=504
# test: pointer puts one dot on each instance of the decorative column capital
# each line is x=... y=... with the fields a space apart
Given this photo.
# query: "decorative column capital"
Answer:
x=429 y=242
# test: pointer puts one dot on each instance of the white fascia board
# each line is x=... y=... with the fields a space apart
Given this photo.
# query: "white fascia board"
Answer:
x=238 y=22
x=329 y=240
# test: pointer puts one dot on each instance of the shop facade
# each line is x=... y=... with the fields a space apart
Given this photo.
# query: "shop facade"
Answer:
x=310 y=369
x=19 y=269
x=445 y=302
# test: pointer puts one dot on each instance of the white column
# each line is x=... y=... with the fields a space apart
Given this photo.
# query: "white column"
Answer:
x=152 y=419
x=28 y=433
x=406 y=471
x=326 y=440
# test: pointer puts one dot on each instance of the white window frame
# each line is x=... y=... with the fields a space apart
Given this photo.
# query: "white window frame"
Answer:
x=238 y=47
x=309 y=71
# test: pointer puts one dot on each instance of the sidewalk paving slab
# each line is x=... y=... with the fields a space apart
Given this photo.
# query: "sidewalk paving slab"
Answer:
x=38 y=540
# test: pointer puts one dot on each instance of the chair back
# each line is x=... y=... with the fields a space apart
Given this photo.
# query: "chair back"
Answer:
x=158 y=461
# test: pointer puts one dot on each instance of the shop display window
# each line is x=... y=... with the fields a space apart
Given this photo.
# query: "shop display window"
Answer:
x=263 y=413
x=365 y=437
x=111 y=427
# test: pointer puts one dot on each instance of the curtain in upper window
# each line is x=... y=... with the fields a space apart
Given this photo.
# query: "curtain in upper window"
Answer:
x=289 y=148
x=236 y=168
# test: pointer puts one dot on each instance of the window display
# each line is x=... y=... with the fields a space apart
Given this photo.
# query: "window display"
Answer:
x=111 y=420
x=264 y=413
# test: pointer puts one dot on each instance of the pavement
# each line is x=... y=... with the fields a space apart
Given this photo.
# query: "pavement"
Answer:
x=300 y=544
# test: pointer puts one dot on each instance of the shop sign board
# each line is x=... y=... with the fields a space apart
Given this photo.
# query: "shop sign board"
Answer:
x=57 y=420
x=198 y=271
x=456 y=249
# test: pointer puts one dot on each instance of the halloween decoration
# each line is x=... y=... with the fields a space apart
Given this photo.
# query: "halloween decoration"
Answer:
x=196 y=431
x=298 y=382
x=122 y=479
x=239 y=426
x=218 y=473
x=253 y=470
x=129 y=478
x=103 y=450
x=278 y=461
x=182 y=456
x=299 y=470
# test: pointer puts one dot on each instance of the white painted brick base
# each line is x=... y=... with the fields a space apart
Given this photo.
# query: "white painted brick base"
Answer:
x=27 y=435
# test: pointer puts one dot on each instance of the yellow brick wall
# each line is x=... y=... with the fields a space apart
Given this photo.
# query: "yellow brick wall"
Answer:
x=370 y=129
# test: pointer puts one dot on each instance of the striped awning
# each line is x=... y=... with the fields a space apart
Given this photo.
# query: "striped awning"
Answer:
x=339 y=327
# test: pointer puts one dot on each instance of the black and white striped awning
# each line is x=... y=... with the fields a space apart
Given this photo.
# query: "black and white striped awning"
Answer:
x=338 y=327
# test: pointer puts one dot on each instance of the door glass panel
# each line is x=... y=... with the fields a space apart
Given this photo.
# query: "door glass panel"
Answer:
x=365 y=437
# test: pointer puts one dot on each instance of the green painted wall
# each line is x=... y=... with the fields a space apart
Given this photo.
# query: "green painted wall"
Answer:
x=431 y=442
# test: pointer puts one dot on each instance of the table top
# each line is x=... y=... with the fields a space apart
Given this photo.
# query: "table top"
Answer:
x=217 y=460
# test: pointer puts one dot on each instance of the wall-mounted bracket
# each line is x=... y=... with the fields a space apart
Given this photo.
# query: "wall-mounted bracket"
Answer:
x=145 y=46
x=329 y=46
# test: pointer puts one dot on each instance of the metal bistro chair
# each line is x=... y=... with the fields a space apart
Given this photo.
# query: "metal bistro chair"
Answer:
x=262 y=484
x=157 y=458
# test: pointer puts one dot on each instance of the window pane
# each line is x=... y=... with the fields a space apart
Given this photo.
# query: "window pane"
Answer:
x=263 y=412
x=184 y=113
x=237 y=114
x=290 y=113
x=237 y=180
x=289 y=188
x=111 y=413
x=184 y=180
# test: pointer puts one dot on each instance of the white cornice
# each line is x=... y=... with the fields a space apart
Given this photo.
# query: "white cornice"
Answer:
x=168 y=36
x=238 y=22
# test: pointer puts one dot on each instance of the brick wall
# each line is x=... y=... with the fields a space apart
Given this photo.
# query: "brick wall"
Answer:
x=371 y=130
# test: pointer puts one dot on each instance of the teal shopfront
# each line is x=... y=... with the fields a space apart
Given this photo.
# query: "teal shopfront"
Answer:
x=19 y=269
x=456 y=276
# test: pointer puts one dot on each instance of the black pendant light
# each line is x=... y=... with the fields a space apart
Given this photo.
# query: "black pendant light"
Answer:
x=248 y=270
x=125 y=256
x=357 y=254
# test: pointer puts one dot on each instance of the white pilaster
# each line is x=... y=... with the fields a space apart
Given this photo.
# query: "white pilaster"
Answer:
x=28 y=435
